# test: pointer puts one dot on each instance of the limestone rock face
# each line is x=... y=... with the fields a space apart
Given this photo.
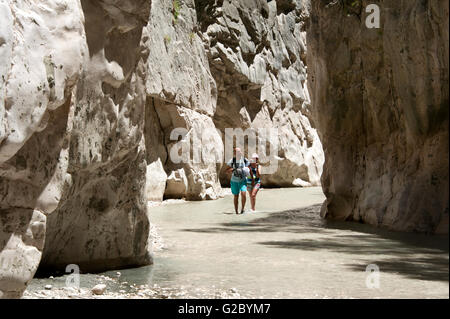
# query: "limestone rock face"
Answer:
x=182 y=94
x=214 y=65
x=39 y=65
x=257 y=55
x=380 y=101
x=72 y=151
x=101 y=221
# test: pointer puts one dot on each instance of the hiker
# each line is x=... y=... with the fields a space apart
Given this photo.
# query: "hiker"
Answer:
x=253 y=180
x=238 y=165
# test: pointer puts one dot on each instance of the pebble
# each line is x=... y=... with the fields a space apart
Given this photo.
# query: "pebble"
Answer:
x=48 y=287
x=99 y=289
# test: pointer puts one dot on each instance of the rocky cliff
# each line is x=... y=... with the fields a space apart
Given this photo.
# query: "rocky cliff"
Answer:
x=214 y=65
x=257 y=55
x=380 y=100
x=90 y=92
x=73 y=170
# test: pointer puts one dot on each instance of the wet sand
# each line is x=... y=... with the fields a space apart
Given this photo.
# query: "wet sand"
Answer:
x=284 y=250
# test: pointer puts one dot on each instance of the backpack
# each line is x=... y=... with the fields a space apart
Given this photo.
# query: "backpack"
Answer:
x=239 y=172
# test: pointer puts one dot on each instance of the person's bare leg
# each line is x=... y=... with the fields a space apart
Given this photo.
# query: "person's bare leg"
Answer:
x=251 y=199
x=254 y=192
x=243 y=198
x=236 y=203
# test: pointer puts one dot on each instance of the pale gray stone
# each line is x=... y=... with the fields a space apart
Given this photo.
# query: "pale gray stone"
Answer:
x=380 y=104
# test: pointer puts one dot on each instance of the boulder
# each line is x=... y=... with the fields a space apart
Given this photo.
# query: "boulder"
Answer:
x=156 y=179
x=99 y=289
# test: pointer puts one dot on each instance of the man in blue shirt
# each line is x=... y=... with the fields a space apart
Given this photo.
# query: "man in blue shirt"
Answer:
x=238 y=166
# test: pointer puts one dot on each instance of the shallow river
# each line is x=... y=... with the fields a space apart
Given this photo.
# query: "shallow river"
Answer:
x=285 y=250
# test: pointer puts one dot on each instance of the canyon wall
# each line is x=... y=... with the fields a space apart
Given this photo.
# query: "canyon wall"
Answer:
x=90 y=92
x=380 y=104
x=181 y=94
x=257 y=55
x=220 y=64
x=73 y=170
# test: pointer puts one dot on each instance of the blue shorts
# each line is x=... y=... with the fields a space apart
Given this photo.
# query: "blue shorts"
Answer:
x=237 y=187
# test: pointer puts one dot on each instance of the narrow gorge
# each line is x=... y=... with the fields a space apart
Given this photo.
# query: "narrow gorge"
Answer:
x=92 y=91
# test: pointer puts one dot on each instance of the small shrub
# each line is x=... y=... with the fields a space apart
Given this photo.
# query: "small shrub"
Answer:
x=167 y=39
x=176 y=10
